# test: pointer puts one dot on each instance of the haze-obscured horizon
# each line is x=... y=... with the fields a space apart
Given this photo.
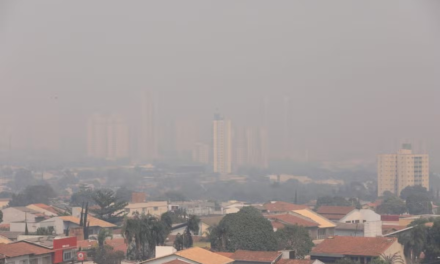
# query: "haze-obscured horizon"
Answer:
x=361 y=77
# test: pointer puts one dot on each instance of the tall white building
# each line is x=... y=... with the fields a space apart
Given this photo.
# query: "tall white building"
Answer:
x=397 y=171
x=222 y=145
x=107 y=137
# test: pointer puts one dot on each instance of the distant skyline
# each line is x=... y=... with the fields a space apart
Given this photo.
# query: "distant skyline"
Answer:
x=361 y=76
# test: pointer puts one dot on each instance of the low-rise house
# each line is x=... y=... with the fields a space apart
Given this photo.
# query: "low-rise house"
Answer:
x=334 y=213
x=250 y=257
x=25 y=252
x=63 y=223
x=360 y=216
x=232 y=207
x=118 y=244
x=44 y=209
x=208 y=221
x=64 y=248
x=362 y=249
x=349 y=229
x=326 y=228
x=279 y=221
x=194 y=255
x=156 y=208
x=198 y=208
x=282 y=207
x=20 y=214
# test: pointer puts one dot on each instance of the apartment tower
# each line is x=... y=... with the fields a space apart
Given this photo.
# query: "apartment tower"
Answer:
x=222 y=145
x=397 y=171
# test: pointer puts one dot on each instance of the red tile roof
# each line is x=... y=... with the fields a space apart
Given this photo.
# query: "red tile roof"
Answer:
x=225 y=254
x=258 y=256
x=335 y=212
x=21 y=249
x=294 y=261
x=118 y=244
x=389 y=218
x=279 y=206
x=47 y=208
x=175 y=261
x=354 y=246
x=292 y=220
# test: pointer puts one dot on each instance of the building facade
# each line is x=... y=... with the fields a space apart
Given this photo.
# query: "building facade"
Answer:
x=222 y=145
x=397 y=171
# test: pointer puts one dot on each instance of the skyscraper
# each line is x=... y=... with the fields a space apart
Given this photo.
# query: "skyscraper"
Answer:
x=222 y=145
x=107 y=137
x=397 y=171
x=200 y=153
x=186 y=135
x=147 y=138
x=250 y=147
x=287 y=129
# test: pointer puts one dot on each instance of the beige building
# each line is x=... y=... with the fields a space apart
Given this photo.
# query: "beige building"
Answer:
x=107 y=137
x=156 y=208
x=251 y=147
x=222 y=145
x=148 y=137
x=200 y=153
x=397 y=171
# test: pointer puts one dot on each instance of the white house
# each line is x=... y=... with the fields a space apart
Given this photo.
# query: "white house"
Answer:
x=360 y=216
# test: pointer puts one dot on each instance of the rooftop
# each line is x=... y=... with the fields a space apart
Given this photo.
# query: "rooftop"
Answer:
x=291 y=219
x=294 y=261
x=335 y=210
x=93 y=221
x=211 y=220
x=321 y=220
x=353 y=246
x=203 y=256
x=21 y=249
x=256 y=256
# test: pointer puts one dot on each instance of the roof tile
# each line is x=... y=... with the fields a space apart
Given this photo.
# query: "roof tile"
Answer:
x=290 y=219
x=257 y=256
x=21 y=249
x=279 y=206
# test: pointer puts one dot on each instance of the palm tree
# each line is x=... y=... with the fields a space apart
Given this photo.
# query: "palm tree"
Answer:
x=414 y=241
x=103 y=235
x=192 y=225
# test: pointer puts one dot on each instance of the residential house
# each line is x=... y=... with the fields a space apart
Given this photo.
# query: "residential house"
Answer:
x=362 y=249
x=232 y=207
x=334 y=213
x=156 y=208
x=20 y=214
x=63 y=223
x=25 y=252
x=198 y=208
x=257 y=257
x=279 y=221
x=44 y=209
x=118 y=244
x=360 y=216
x=208 y=221
x=349 y=229
x=326 y=228
x=194 y=255
x=282 y=207
x=64 y=248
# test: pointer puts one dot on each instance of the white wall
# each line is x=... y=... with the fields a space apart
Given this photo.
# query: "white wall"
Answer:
x=21 y=227
x=363 y=215
x=57 y=224
x=164 y=251
x=14 y=215
x=373 y=229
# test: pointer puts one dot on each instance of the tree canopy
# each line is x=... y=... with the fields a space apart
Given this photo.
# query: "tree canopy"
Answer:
x=110 y=208
x=392 y=205
x=294 y=238
x=246 y=230
x=33 y=194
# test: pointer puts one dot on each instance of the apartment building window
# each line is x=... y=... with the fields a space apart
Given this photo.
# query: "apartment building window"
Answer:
x=33 y=261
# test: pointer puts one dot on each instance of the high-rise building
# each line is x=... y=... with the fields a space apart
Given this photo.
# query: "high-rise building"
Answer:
x=186 y=135
x=222 y=145
x=287 y=129
x=107 y=137
x=147 y=138
x=397 y=171
x=200 y=153
x=250 y=147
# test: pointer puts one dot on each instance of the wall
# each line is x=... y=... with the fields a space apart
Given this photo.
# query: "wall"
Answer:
x=14 y=215
x=26 y=257
x=363 y=215
x=373 y=228
x=339 y=232
x=62 y=245
x=164 y=251
x=57 y=224
x=396 y=247
x=21 y=227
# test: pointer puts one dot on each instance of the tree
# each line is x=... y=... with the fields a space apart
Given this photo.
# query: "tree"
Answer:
x=1 y=216
x=419 y=203
x=414 y=241
x=179 y=242
x=166 y=219
x=410 y=190
x=246 y=230
x=106 y=255
x=346 y=261
x=332 y=201
x=103 y=235
x=43 y=231
x=33 y=194
x=110 y=208
x=432 y=247
x=392 y=205
x=294 y=238
x=84 y=195
x=192 y=226
x=124 y=194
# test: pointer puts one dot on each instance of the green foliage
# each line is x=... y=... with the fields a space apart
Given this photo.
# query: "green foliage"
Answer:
x=1 y=216
x=110 y=208
x=346 y=261
x=418 y=199
x=432 y=245
x=411 y=190
x=179 y=242
x=167 y=219
x=192 y=226
x=43 y=231
x=106 y=255
x=145 y=232
x=332 y=201
x=103 y=235
x=294 y=238
x=33 y=194
x=392 y=205
x=414 y=241
x=124 y=194
x=84 y=195
x=246 y=230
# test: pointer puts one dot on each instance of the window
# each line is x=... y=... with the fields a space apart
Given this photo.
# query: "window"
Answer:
x=33 y=261
x=67 y=256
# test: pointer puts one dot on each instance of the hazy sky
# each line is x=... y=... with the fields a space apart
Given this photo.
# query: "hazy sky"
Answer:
x=361 y=75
